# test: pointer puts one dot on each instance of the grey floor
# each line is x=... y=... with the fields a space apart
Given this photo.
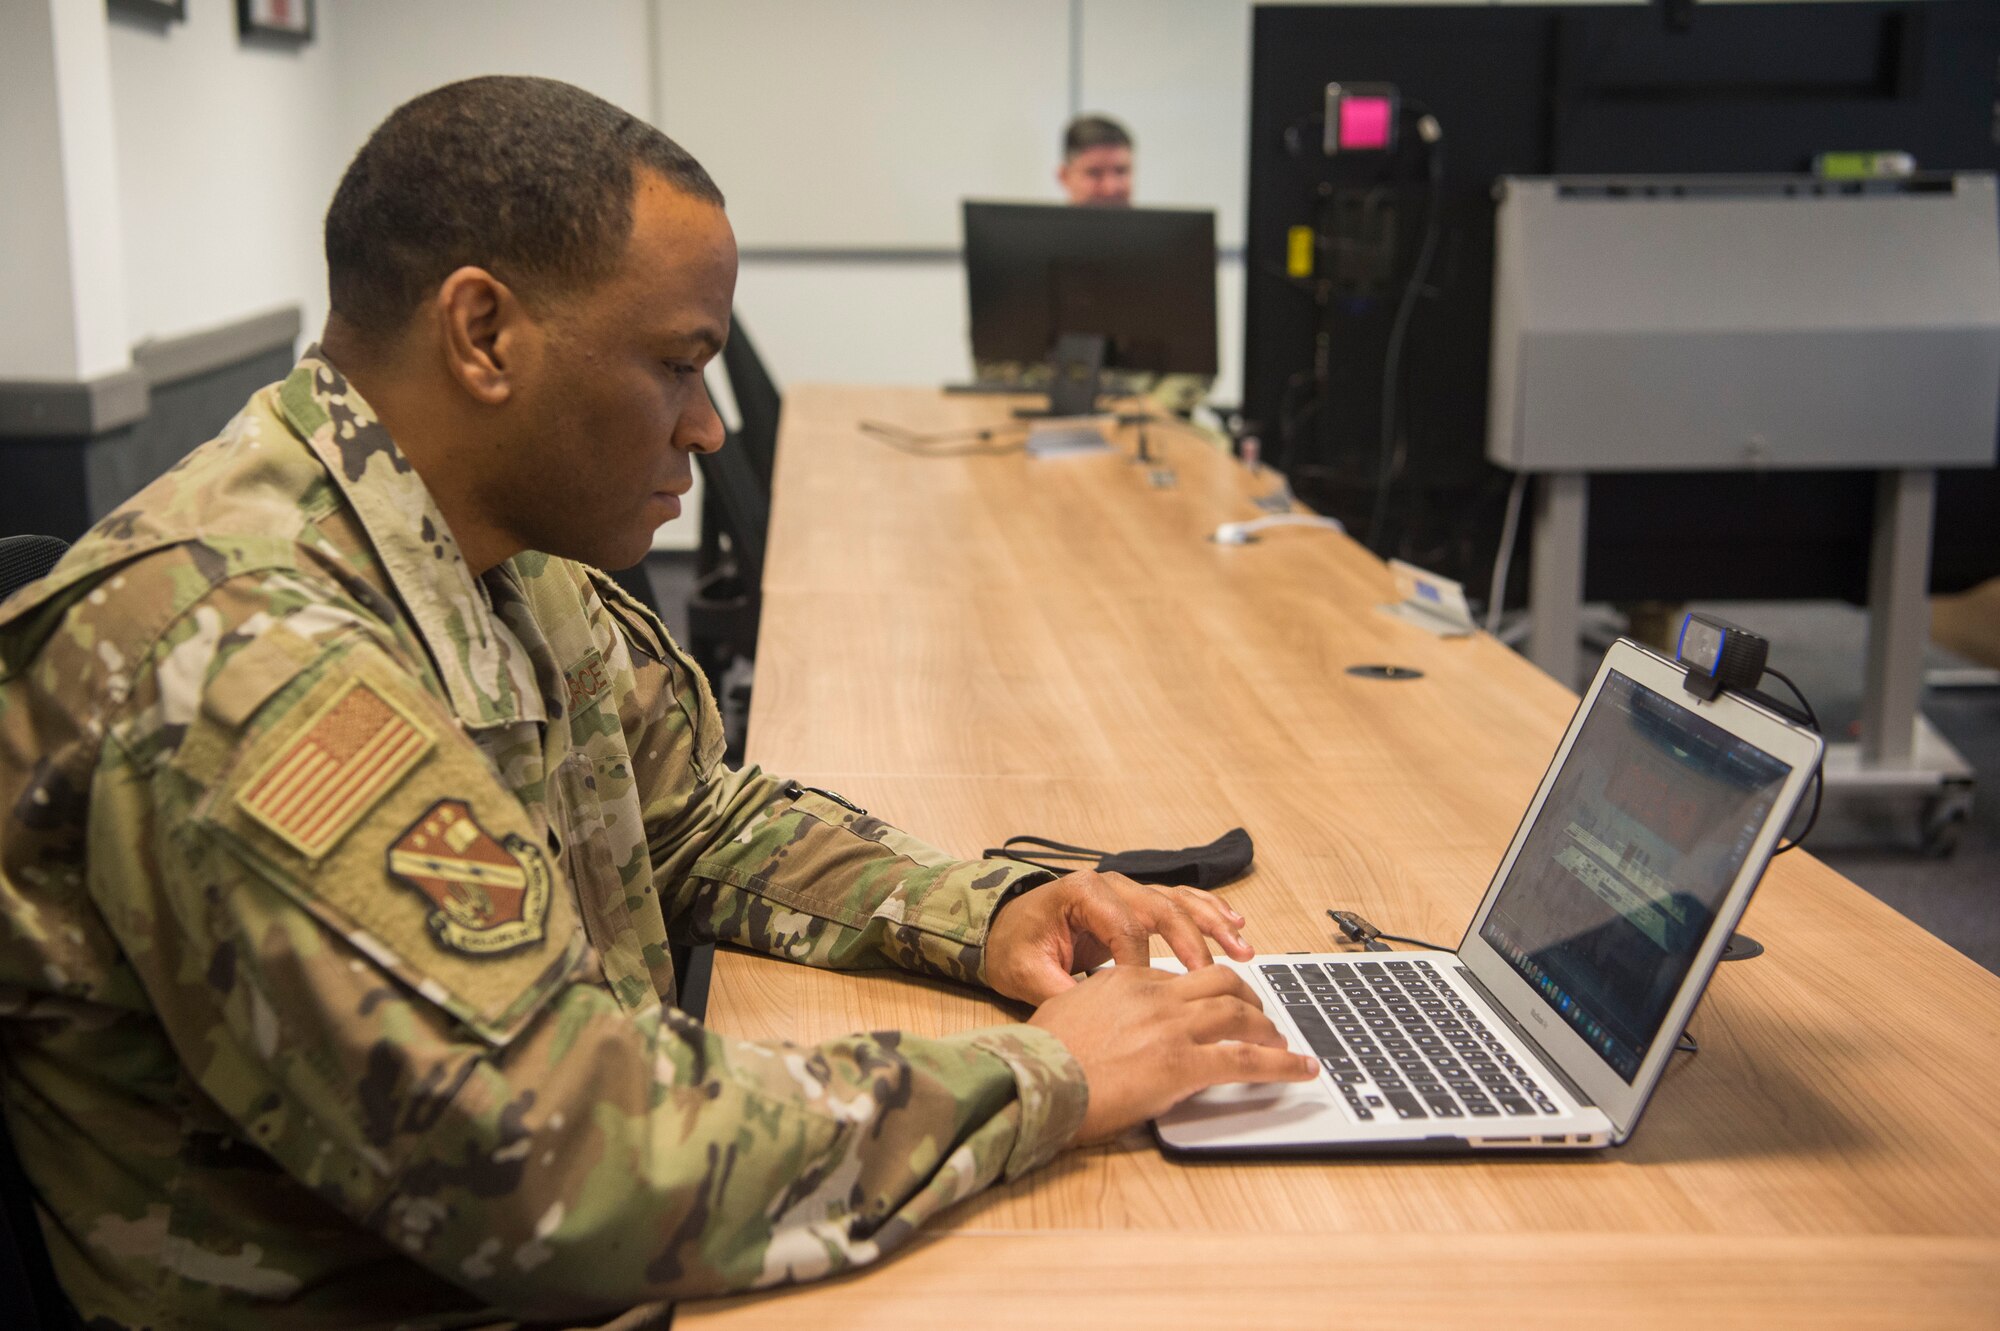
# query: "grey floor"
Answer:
x=1821 y=645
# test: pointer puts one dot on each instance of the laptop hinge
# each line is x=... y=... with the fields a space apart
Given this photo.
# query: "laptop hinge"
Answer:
x=1548 y=1061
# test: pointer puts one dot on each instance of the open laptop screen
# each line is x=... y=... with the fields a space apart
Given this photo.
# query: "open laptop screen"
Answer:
x=1619 y=879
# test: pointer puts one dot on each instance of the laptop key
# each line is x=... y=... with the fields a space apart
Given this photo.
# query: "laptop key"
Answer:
x=1515 y=1106
x=1406 y=1105
x=1323 y=1041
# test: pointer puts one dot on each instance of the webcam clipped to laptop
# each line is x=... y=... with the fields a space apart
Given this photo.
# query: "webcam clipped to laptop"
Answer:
x=1549 y=1027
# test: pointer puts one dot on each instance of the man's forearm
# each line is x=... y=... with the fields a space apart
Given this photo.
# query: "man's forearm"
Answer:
x=795 y=873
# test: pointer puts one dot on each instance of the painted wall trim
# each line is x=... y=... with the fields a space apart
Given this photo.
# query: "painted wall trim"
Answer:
x=31 y=410
x=912 y=254
x=168 y=360
x=43 y=409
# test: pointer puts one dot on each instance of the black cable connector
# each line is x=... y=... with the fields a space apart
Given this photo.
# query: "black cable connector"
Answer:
x=1361 y=931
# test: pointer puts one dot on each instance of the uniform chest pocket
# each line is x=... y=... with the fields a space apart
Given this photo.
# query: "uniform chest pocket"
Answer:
x=578 y=817
x=577 y=813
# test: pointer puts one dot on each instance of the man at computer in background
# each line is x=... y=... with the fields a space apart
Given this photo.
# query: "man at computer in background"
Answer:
x=1096 y=171
x=347 y=814
x=1096 y=166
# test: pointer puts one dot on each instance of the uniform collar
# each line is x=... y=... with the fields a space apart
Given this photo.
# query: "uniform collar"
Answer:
x=486 y=673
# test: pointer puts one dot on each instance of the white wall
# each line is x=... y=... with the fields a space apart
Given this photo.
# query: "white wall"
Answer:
x=62 y=290
x=858 y=125
x=34 y=241
x=226 y=160
x=864 y=122
x=851 y=125
x=388 y=51
x=228 y=154
x=1178 y=73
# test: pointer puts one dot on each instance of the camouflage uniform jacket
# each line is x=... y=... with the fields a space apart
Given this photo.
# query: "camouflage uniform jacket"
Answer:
x=335 y=897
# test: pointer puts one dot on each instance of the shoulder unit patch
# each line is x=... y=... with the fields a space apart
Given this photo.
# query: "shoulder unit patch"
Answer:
x=492 y=895
x=348 y=756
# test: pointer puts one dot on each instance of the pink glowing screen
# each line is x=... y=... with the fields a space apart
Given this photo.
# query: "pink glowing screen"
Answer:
x=1364 y=122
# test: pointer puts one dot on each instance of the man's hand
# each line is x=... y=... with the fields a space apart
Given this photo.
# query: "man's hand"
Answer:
x=1148 y=1039
x=1081 y=920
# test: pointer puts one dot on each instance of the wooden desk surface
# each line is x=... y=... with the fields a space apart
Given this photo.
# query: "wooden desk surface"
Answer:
x=979 y=646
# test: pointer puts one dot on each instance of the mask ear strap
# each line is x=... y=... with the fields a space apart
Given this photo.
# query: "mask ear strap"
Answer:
x=1055 y=856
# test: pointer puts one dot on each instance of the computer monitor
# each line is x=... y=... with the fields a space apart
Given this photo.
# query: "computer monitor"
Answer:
x=1143 y=279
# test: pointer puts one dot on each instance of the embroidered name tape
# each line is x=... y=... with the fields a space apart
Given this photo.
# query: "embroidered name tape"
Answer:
x=586 y=681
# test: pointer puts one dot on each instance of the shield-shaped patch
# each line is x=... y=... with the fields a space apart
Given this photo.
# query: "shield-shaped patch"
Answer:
x=491 y=894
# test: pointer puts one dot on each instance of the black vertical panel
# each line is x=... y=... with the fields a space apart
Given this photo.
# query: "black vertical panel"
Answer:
x=1568 y=89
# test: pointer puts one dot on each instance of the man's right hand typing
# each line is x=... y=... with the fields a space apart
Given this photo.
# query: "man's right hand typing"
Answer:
x=1147 y=1039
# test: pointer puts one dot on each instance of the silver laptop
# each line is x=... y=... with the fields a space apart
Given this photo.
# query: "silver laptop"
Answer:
x=1550 y=1025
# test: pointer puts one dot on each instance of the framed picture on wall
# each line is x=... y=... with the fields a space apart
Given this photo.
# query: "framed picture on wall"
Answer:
x=159 y=11
x=275 y=20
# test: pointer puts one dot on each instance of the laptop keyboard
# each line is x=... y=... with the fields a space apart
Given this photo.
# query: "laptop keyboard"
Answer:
x=1397 y=1039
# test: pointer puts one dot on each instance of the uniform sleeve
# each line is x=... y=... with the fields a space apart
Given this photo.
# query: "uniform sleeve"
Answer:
x=367 y=959
x=748 y=858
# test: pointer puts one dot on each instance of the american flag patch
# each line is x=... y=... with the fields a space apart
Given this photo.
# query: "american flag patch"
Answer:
x=316 y=787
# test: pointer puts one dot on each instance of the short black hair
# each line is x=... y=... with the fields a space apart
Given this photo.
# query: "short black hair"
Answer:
x=1086 y=132
x=528 y=178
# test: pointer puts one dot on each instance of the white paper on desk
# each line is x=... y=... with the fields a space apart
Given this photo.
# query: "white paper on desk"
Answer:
x=1425 y=620
x=1431 y=601
x=1067 y=438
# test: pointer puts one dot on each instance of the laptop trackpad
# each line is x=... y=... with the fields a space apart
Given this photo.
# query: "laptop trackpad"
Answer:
x=1276 y=1106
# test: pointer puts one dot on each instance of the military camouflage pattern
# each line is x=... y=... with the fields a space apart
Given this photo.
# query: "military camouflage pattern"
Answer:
x=259 y=1078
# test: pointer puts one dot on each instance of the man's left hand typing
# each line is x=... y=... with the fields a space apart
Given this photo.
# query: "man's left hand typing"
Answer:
x=1040 y=939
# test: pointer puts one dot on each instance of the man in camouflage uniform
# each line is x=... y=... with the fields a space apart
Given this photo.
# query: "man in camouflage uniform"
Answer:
x=345 y=833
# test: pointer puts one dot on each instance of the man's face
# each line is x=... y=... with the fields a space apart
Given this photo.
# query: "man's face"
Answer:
x=1098 y=176
x=614 y=409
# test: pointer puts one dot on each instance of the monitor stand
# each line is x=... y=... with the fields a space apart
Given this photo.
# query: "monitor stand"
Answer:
x=1075 y=367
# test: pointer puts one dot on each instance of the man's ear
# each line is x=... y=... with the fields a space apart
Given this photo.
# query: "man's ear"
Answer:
x=484 y=332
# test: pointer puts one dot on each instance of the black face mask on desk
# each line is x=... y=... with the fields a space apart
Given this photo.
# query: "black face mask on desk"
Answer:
x=1209 y=866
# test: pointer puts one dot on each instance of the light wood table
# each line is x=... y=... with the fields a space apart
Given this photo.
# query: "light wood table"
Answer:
x=979 y=646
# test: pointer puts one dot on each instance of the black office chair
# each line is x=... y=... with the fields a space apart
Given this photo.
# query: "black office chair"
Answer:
x=757 y=401
x=26 y=558
x=758 y=407
x=29 y=1293
x=727 y=602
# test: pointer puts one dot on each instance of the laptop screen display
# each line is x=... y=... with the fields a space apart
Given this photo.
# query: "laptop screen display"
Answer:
x=1620 y=877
